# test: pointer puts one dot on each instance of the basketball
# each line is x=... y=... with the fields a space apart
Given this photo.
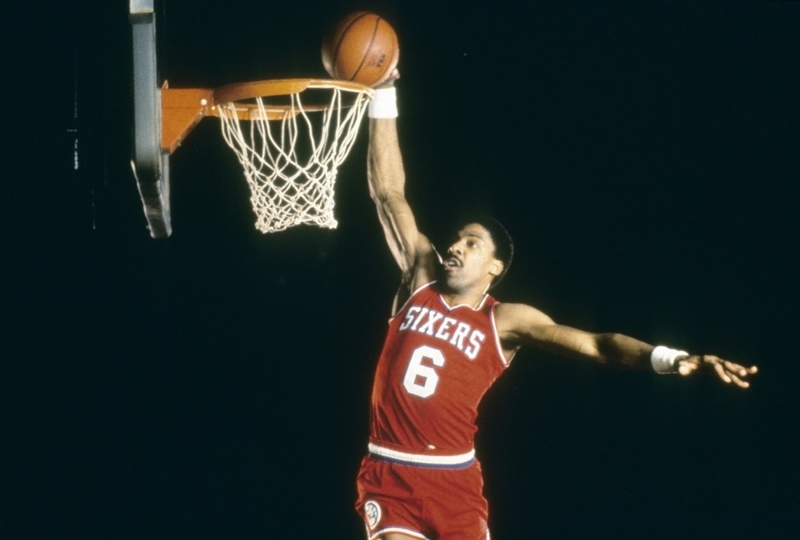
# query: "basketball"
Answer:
x=361 y=48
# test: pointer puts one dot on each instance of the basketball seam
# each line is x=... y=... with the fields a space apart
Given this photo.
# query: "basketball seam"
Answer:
x=341 y=39
x=369 y=47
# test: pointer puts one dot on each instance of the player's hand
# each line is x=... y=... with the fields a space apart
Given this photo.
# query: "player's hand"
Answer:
x=726 y=370
x=390 y=81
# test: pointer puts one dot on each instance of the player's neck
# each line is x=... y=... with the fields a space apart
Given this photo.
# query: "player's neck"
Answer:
x=472 y=298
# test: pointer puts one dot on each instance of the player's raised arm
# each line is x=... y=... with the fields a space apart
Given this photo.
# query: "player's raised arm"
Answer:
x=519 y=324
x=411 y=249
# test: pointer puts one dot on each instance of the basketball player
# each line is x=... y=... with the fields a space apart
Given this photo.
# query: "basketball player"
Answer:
x=448 y=341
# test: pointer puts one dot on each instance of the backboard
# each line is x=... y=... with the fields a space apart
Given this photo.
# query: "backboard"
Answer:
x=150 y=162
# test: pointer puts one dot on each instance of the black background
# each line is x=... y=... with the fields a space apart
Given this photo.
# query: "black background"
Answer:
x=216 y=384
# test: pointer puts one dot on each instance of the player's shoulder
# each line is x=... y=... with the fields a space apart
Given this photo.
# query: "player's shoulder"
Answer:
x=512 y=316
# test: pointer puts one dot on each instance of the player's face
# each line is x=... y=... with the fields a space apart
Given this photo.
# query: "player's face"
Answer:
x=470 y=259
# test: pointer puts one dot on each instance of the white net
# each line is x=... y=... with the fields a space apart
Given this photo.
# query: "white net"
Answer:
x=291 y=157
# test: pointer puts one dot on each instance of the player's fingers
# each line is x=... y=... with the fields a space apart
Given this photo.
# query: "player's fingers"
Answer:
x=687 y=368
x=734 y=368
x=739 y=369
x=687 y=365
x=739 y=382
x=720 y=369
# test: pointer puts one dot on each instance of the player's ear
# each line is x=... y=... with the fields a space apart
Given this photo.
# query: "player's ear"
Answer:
x=496 y=268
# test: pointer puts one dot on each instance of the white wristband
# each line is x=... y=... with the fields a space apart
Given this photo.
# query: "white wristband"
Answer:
x=384 y=104
x=663 y=359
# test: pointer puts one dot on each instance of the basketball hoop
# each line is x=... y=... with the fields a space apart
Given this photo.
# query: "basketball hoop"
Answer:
x=290 y=150
x=290 y=147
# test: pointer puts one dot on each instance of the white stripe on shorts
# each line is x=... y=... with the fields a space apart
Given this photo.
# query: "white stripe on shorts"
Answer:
x=421 y=459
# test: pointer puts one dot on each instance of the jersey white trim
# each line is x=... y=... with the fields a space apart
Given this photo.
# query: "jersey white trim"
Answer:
x=421 y=459
x=497 y=334
x=402 y=530
x=408 y=300
x=449 y=308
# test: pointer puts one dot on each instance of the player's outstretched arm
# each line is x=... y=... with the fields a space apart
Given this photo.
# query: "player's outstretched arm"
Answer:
x=411 y=249
x=519 y=324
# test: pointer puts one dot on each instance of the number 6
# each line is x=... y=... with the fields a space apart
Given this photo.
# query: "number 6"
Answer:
x=428 y=374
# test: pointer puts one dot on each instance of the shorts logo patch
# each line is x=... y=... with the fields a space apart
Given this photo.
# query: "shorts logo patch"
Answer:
x=372 y=511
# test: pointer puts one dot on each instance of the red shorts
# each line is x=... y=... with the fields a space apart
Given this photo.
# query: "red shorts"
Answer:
x=422 y=502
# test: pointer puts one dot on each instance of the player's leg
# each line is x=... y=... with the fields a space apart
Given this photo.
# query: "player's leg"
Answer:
x=454 y=504
x=386 y=501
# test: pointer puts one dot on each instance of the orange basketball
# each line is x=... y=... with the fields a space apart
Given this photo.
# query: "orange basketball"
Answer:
x=361 y=48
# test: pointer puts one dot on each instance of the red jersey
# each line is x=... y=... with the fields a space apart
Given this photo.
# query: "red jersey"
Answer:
x=437 y=363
